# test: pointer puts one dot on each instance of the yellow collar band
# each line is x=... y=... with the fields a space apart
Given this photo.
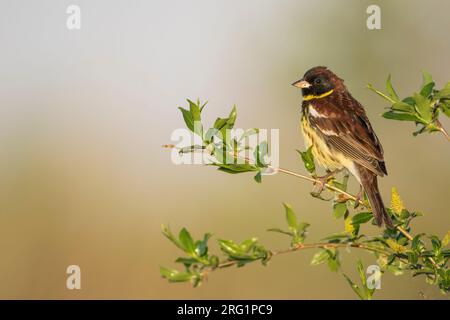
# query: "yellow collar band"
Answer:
x=323 y=95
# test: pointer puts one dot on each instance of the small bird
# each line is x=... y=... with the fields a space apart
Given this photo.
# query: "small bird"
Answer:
x=341 y=136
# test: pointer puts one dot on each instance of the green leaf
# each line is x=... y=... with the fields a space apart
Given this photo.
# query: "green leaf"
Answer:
x=188 y=119
x=436 y=243
x=413 y=257
x=428 y=253
x=187 y=241
x=248 y=244
x=402 y=240
x=258 y=177
x=236 y=168
x=445 y=107
x=354 y=287
x=202 y=106
x=333 y=265
x=427 y=90
x=260 y=152
x=201 y=247
x=423 y=107
x=220 y=123
x=297 y=230
x=339 y=209
x=337 y=236
x=186 y=261
x=368 y=293
x=214 y=261
x=423 y=271
x=427 y=78
x=248 y=133
x=302 y=226
x=339 y=185
x=333 y=261
x=320 y=257
x=174 y=275
x=247 y=251
x=210 y=133
x=400 y=116
x=278 y=230
x=404 y=215
x=409 y=100
x=169 y=235
x=223 y=124
x=229 y=247
x=390 y=89
x=166 y=272
x=403 y=107
x=362 y=217
x=362 y=274
x=195 y=110
x=290 y=217
x=415 y=243
x=445 y=92
x=417 y=214
x=308 y=159
x=232 y=118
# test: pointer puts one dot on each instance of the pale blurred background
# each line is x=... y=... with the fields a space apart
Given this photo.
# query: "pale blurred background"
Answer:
x=83 y=177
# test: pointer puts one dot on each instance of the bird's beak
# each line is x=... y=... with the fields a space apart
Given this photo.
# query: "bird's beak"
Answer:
x=301 y=84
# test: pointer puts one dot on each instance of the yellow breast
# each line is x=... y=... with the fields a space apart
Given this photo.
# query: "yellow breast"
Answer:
x=321 y=152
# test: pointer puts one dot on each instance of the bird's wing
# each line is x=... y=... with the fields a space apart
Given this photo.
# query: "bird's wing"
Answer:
x=349 y=131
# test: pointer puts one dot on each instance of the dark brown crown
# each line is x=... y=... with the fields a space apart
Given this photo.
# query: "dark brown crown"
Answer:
x=324 y=71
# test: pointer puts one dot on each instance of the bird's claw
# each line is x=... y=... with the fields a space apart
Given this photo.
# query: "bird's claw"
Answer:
x=322 y=181
x=358 y=197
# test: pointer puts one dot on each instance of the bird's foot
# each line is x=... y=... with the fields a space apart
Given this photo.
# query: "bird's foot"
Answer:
x=322 y=181
x=358 y=197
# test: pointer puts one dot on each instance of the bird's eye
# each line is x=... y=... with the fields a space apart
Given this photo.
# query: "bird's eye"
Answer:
x=317 y=81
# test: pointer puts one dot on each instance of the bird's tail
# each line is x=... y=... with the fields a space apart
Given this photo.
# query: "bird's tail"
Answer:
x=370 y=184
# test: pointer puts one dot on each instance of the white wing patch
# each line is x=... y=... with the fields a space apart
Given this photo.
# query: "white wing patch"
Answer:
x=329 y=132
x=313 y=112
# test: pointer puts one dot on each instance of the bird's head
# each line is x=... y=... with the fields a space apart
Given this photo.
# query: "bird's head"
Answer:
x=319 y=81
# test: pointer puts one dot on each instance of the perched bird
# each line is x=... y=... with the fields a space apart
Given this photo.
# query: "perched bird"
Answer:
x=337 y=128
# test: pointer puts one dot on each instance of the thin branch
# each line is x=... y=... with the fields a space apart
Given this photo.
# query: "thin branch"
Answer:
x=323 y=245
x=308 y=178
x=326 y=185
x=444 y=133
x=326 y=245
x=442 y=130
